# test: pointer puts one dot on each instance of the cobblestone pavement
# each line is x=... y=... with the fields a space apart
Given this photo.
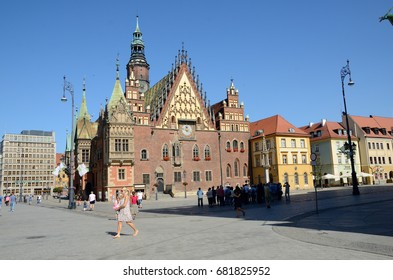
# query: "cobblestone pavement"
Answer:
x=346 y=227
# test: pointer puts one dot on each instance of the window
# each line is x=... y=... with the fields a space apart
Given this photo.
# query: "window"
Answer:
x=146 y=179
x=235 y=146
x=176 y=150
x=125 y=145
x=245 y=169
x=283 y=143
x=294 y=159
x=296 y=178
x=241 y=146
x=117 y=145
x=381 y=146
x=302 y=143
x=236 y=168
x=143 y=154
x=256 y=145
x=208 y=175
x=286 y=177
x=390 y=160
x=371 y=160
x=305 y=178
x=373 y=145
x=195 y=152
x=284 y=159
x=85 y=155
x=121 y=174
x=177 y=176
x=165 y=153
x=293 y=143
x=207 y=152
x=228 y=146
x=196 y=176
x=229 y=171
x=304 y=159
x=387 y=146
x=377 y=146
x=369 y=145
x=383 y=160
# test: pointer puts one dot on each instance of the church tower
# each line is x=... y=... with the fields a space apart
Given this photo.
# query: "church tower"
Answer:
x=138 y=65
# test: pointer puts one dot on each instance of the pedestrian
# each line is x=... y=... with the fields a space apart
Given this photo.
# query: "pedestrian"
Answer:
x=209 y=195
x=287 y=186
x=84 y=205
x=92 y=200
x=200 y=197
x=267 y=195
x=30 y=199
x=1 y=202
x=38 y=199
x=220 y=195
x=7 y=200
x=12 y=202
x=124 y=214
x=134 y=204
x=139 y=194
x=214 y=193
x=237 y=197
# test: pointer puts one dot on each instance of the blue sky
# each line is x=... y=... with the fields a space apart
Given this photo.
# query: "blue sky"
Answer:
x=285 y=56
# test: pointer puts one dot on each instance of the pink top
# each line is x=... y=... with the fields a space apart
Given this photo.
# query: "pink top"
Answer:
x=133 y=199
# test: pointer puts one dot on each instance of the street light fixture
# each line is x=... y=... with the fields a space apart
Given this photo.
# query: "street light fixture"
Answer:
x=345 y=71
x=69 y=87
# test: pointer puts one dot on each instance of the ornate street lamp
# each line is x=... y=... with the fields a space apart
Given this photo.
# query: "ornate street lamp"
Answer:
x=69 y=87
x=345 y=71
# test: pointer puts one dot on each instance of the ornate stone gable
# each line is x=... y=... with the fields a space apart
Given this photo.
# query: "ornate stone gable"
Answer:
x=184 y=103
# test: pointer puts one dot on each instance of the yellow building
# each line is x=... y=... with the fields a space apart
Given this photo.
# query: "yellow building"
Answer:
x=280 y=152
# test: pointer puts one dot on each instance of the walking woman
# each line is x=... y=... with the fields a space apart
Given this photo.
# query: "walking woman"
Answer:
x=124 y=214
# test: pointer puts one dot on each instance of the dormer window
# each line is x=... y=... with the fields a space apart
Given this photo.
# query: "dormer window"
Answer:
x=383 y=131
x=367 y=130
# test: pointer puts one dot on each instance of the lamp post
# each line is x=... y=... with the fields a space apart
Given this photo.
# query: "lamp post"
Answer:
x=69 y=87
x=345 y=71
x=265 y=159
x=185 y=183
x=21 y=177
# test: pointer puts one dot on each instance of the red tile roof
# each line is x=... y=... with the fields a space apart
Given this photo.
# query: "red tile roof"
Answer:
x=274 y=125
x=325 y=130
x=380 y=127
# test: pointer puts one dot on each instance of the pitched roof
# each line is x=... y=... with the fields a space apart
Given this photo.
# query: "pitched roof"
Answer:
x=274 y=125
x=325 y=130
x=374 y=126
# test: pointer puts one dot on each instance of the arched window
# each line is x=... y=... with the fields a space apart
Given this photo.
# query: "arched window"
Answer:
x=144 y=154
x=165 y=152
x=176 y=150
x=235 y=145
x=228 y=146
x=195 y=152
x=245 y=170
x=285 y=177
x=296 y=178
x=207 y=152
x=241 y=146
x=236 y=167
x=229 y=171
x=305 y=178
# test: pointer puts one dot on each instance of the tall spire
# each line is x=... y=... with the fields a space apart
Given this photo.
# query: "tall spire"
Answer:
x=117 y=93
x=83 y=113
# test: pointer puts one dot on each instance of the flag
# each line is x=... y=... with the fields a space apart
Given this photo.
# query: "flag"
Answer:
x=82 y=169
x=56 y=171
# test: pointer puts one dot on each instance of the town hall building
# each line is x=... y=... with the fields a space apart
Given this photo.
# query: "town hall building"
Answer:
x=163 y=137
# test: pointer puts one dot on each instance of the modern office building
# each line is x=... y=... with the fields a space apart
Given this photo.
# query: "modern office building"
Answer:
x=27 y=161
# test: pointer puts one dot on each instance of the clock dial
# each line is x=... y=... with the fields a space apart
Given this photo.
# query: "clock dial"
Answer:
x=186 y=129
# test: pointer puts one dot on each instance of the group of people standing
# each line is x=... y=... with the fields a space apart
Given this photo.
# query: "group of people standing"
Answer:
x=238 y=196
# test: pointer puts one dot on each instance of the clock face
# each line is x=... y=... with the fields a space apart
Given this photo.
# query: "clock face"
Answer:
x=142 y=86
x=186 y=130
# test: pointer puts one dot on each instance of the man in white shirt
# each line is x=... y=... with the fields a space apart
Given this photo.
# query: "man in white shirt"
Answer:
x=200 y=197
x=92 y=200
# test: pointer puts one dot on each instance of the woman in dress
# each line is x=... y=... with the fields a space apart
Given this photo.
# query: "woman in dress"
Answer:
x=124 y=214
